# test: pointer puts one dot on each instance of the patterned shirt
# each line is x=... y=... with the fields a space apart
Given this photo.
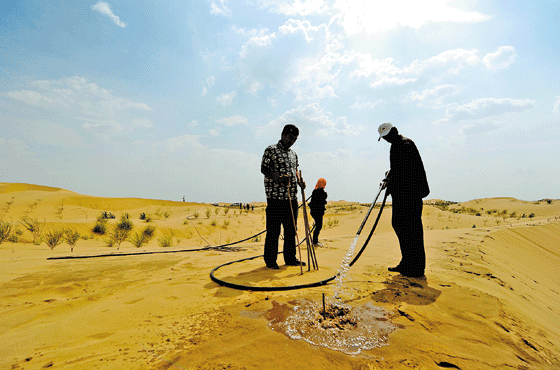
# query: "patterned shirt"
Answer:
x=283 y=161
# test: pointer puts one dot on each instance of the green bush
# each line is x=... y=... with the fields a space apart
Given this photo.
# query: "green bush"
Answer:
x=149 y=231
x=5 y=231
x=165 y=241
x=71 y=237
x=138 y=239
x=100 y=227
x=53 y=237
x=35 y=227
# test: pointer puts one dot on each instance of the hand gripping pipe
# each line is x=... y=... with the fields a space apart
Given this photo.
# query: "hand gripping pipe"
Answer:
x=302 y=286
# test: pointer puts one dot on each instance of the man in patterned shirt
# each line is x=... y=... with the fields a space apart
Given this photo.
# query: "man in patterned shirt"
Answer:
x=279 y=166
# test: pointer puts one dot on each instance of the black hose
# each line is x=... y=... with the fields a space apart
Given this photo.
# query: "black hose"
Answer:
x=301 y=286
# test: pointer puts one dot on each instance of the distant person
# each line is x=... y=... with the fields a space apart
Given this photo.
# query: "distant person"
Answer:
x=279 y=166
x=317 y=208
x=407 y=184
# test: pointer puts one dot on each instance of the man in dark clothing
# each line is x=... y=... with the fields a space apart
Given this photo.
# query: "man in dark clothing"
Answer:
x=407 y=184
x=279 y=166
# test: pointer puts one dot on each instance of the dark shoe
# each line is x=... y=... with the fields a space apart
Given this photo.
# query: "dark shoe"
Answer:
x=412 y=274
x=395 y=269
x=295 y=263
x=273 y=266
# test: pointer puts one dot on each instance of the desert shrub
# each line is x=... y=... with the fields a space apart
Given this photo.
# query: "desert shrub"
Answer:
x=165 y=241
x=149 y=231
x=142 y=216
x=53 y=237
x=196 y=215
x=226 y=210
x=71 y=237
x=531 y=215
x=105 y=216
x=13 y=238
x=5 y=230
x=19 y=232
x=226 y=224
x=138 y=239
x=100 y=227
x=121 y=231
x=213 y=223
x=166 y=214
x=216 y=210
x=35 y=227
x=208 y=212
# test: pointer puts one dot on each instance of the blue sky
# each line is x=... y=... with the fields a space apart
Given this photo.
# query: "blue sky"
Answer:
x=165 y=99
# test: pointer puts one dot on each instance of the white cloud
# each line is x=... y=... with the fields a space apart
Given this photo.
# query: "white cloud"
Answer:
x=226 y=98
x=501 y=59
x=89 y=105
x=220 y=7
x=294 y=7
x=211 y=81
x=30 y=97
x=233 y=120
x=204 y=90
x=372 y=17
x=486 y=107
x=313 y=118
x=365 y=105
x=104 y=8
x=214 y=132
x=433 y=98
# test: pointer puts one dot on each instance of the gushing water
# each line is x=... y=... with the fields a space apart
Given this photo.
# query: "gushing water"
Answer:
x=344 y=268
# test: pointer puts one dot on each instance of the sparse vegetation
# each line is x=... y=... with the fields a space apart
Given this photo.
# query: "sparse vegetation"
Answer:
x=138 y=239
x=121 y=231
x=100 y=227
x=208 y=211
x=5 y=230
x=35 y=227
x=166 y=240
x=149 y=231
x=71 y=237
x=53 y=237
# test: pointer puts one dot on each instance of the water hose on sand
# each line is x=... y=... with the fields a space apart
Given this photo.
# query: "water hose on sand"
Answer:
x=309 y=285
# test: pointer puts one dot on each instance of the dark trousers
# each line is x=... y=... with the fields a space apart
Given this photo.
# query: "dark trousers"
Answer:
x=278 y=214
x=318 y=218
x=407 y=223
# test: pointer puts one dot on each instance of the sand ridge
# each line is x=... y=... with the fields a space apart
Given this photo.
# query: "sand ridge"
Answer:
x=490 y=298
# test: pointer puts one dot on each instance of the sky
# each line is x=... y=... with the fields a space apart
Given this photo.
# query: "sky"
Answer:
x=165 y=99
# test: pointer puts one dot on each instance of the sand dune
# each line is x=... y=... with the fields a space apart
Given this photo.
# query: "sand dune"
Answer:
x=490 y=299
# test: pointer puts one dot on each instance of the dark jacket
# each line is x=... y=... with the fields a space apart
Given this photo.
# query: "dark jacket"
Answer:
x=407 y=178
x=318 y=202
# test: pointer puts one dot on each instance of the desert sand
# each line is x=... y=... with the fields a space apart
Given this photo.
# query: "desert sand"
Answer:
x=490 y=298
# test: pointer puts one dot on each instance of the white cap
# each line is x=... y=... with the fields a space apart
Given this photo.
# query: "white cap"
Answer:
x=384 y=129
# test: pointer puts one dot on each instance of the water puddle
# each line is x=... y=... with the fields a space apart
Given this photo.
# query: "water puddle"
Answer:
x=338 y=327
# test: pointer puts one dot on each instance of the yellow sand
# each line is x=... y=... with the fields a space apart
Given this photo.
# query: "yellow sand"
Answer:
x=490 y=299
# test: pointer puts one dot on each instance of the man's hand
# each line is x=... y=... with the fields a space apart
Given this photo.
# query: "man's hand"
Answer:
x=302 y=184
